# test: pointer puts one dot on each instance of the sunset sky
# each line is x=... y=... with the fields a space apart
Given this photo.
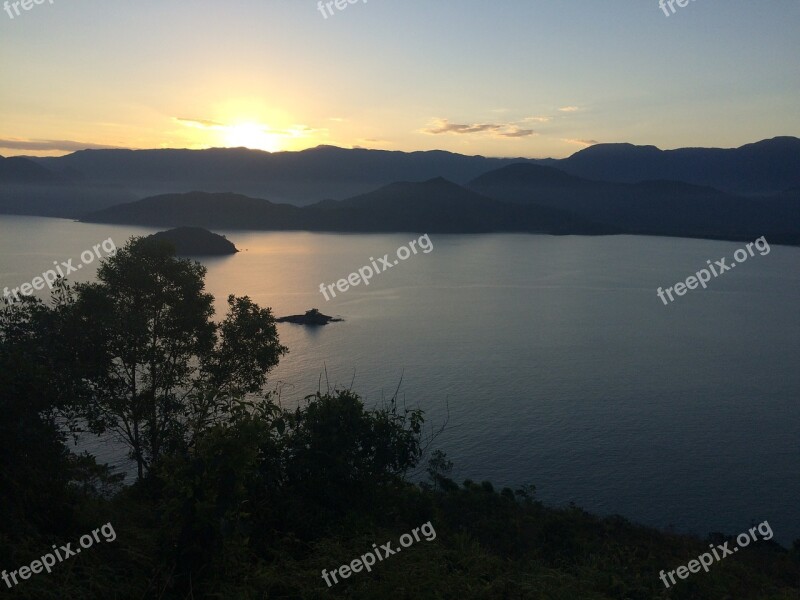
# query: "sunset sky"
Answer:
x=504 y=78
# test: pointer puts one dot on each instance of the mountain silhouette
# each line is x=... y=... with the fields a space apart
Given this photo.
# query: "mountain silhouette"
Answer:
x=21 y=170
x=439 y=205
x=300 y=178
x=763 y=167
x=28 y=188
x=204 y=210
x=660 y=207
x=734 y=194
x=433 y=206
x=308 y=176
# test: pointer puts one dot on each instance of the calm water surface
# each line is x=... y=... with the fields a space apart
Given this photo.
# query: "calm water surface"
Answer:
x=559 y=364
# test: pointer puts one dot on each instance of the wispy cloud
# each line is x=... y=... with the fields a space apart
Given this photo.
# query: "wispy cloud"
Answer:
x=537 y=119
x=445 y=126
x=200 y=123
x=581 y=142
x=516 y=132
x=508 y=130
x=569 y=109
x=53 y=145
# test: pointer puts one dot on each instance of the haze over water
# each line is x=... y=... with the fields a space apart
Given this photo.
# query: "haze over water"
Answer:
x=559 y=364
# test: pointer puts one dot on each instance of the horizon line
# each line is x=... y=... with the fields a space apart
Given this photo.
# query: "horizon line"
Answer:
x=89 y=148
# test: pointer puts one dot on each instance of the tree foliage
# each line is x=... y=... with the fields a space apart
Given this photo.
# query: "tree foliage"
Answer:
x=156 y=352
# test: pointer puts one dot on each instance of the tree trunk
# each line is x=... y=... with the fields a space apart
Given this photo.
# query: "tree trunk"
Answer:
x=137 y=449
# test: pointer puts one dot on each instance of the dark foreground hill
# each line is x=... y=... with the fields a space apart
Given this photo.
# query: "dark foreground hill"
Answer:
x=201 y=209
x=435 y=206
x=441 y=206
x=521 y=198
x=649 y=207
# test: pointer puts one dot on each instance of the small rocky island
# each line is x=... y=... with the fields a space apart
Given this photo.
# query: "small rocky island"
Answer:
x=196 y=241
x=312 y=317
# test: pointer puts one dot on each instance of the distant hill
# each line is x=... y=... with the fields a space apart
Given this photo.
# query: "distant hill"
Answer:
x=434 y=206
x=763 y=167
x=535 y=184
x=27 y=188
x=300 y=178
x=438 y=205
x=700 y=192
x=201 y=209
x=64 y=201
x=195 y=241
x=312 y=175
x=20 y=170
x=650 y=207
x=516 y=198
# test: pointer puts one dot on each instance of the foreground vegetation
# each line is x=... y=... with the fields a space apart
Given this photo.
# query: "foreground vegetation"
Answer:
x=236 y=497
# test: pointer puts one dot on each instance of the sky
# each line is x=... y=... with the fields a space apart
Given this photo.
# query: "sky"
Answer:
x=533 y=78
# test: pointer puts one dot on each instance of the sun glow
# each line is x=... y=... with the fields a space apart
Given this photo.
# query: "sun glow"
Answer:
x=251 y=135
x=245 y=129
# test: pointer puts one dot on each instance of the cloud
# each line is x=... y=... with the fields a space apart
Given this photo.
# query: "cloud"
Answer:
x=537 y=119
x=582 y=142
x=507 y=130
x=445 y=126
x=516 y=132
x=54 y=145
x=569 y=109
x=200 y=123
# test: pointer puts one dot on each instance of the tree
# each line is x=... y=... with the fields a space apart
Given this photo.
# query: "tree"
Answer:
x=155 y=350
x=33 y=457
x=337 y=454
x=439 y=469
x=39 y=380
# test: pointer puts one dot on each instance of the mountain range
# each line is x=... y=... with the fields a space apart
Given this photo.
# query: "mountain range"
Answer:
x=736 y=193
x=434 y=206
x=323 y=172
x=766 y=166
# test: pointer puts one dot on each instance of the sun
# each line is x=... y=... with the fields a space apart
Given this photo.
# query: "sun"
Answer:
x=251 y=135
